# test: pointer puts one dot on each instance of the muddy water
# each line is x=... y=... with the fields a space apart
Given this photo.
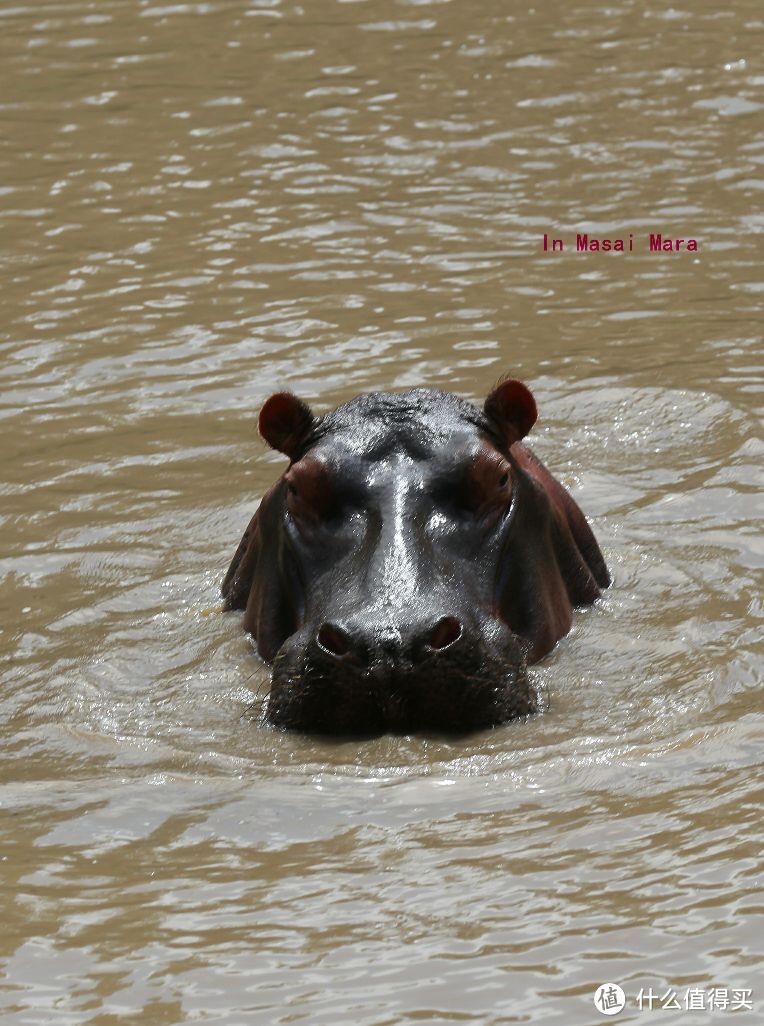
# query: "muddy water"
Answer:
x=201 y=202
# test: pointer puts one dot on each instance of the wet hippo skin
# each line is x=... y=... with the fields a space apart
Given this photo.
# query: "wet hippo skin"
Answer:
x=409 y=563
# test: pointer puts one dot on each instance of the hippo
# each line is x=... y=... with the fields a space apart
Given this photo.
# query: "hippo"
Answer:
x=409 y=564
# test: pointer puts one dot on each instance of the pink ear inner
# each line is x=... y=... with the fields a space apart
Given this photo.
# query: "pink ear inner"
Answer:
x=284 y=422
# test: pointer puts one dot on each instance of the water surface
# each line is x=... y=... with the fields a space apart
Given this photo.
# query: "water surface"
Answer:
x=203 y=202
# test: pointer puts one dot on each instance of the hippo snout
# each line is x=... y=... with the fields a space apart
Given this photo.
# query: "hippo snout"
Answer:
x=444 y=675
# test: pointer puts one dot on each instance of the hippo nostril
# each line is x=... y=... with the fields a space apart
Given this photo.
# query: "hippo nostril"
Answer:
x=333 y=640
x=445 y=633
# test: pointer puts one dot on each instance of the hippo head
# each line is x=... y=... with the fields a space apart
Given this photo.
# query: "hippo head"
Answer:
x=409 y=563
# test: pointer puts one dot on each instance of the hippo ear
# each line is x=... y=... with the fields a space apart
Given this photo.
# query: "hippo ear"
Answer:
x=512 y=408
x=285 y=422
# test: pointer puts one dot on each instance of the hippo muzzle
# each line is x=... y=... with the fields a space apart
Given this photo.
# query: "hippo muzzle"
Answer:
x=369 y=679
x=409 y=564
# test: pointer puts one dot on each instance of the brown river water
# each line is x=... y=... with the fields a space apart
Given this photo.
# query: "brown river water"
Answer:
x=203 y=202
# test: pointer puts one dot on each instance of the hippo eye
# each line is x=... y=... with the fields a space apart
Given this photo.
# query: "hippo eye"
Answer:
x=503 y=480
x=309 y=493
